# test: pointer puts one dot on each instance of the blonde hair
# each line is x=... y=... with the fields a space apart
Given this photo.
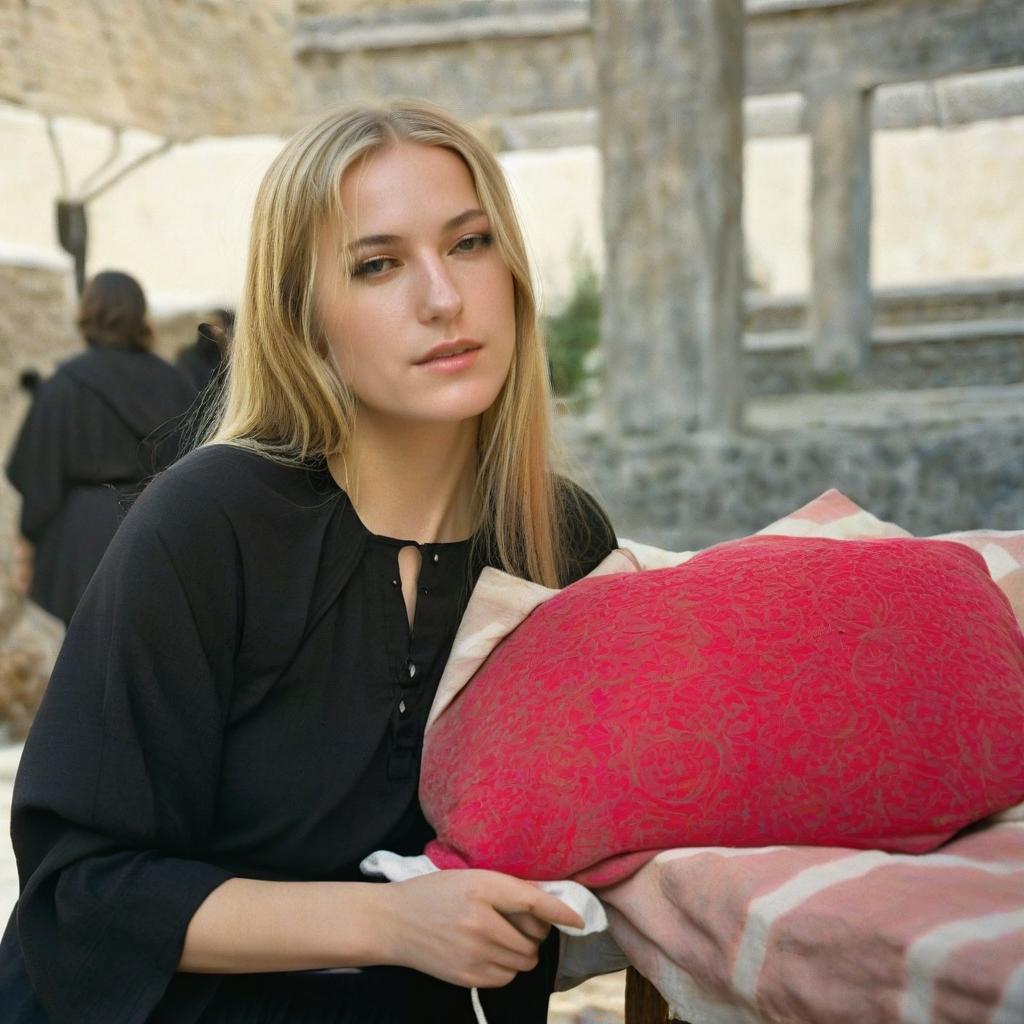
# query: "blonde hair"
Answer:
x=283 y=400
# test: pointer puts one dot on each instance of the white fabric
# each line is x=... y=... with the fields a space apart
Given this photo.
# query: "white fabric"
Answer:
x=397 y=869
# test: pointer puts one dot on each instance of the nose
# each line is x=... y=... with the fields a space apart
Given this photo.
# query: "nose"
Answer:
x=440 y=298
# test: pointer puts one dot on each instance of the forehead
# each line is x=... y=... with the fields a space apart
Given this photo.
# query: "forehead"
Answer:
x=406 y=182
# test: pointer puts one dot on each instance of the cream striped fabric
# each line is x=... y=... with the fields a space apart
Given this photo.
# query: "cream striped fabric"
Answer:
x=831 y=936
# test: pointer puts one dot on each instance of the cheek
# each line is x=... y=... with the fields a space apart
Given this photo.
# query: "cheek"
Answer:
x=352 y=333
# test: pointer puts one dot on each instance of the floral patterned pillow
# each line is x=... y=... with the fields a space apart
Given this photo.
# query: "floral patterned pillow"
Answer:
x=772 y=690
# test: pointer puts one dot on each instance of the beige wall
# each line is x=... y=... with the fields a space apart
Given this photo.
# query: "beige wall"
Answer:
x=178 y=223
x=944 y=206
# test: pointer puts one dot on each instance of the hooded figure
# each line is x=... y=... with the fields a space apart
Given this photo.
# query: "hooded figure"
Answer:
x=201 y=361
x=105 y=422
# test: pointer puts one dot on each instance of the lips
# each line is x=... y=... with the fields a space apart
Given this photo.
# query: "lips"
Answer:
x=449 y=349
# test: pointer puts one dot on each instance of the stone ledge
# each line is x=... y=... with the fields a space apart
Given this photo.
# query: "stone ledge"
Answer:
x=957 y=332
x=28 y=257
x=768 y=8
x=441 y=25
x=985 y=299
x=879 y=410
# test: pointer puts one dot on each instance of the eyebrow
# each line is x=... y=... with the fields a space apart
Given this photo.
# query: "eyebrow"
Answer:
x=453 y=224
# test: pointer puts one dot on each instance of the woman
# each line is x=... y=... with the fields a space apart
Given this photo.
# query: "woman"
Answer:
x=102 y=424
x=238 y=713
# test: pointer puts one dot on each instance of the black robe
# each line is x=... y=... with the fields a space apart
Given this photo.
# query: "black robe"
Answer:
x=240 y=694
x=104 y=422
x=200 y=361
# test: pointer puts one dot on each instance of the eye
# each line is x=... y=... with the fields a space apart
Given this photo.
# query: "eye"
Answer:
x=473 y=242
x=374 y=266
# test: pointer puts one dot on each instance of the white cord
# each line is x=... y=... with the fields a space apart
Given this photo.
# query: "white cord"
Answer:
x=474 y=995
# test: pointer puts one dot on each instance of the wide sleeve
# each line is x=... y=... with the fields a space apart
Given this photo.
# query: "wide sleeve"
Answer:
x=37 y=464
x=115 y=797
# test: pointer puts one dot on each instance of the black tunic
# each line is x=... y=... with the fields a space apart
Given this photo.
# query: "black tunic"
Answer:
x=239 y=694
x=80 y=450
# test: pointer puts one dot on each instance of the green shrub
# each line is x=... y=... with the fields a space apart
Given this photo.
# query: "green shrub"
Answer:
x=574 y=333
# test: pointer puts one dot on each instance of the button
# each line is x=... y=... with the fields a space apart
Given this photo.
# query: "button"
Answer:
x=401 y=708
x=424 y=591
x=412 y=670
x=394 y=583
x=437 y=558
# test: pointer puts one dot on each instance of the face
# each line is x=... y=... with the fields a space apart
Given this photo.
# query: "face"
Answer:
x=424 y=328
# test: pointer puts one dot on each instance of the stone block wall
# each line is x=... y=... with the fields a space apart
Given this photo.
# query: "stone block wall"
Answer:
x=687 y=493
x=957 y=335
x=942 y=360
x=479 y=59
x=325 y=8
x=36 y=331
x=178 y=69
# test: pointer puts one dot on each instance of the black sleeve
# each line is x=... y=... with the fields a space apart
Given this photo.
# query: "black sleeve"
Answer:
x=590 y=537
x=115 y=796
x=37 y=465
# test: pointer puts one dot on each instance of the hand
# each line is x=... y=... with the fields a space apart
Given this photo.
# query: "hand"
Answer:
x=477 y=929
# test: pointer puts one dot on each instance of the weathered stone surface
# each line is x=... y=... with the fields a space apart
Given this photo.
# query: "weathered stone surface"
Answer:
x=478 y=59
x=671 y=90
x=870 y=42
x=982 y=353
x=877 y=42
x=177 y=69
x=957 y=335
x=840 y=309
x=942 y=103
x=688 y=492
x=30 y=640
x=324 y=8
x=35 y=332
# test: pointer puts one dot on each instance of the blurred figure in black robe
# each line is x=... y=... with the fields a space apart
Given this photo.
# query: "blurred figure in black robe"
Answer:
x=105 y=422
x=201 y=361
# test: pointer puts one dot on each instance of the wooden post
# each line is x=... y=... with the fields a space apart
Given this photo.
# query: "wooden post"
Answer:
x=644 y=1004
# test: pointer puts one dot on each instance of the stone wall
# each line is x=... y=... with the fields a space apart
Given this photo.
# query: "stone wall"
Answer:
x=946 y=359
x=178 y=69
x=959 y=335
x=685 y=494
x=477 y=58
x=325 y=8
x=35 y=332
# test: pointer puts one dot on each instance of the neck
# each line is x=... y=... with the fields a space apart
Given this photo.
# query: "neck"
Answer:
x=411 y=480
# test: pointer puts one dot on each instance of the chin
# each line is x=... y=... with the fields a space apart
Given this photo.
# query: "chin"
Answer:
x=470 y=404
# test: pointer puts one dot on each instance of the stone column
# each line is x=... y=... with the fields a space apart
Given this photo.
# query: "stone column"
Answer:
x=670 y=91
x=839 y=118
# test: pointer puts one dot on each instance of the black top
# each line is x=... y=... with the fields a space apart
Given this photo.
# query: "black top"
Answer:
x=105 y=421
x=239 y=694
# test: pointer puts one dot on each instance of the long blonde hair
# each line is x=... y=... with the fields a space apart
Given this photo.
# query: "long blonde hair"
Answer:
x=283 y=400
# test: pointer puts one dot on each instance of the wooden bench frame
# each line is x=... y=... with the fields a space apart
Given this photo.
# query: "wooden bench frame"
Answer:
x=644 y=1003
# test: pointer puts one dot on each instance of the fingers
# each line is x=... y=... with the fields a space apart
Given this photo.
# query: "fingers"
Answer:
x=515 y=896
x=518 y=945
x=546 y=907
x=529 y=926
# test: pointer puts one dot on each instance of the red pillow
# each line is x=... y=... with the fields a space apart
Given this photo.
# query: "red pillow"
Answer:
x=865 y=694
